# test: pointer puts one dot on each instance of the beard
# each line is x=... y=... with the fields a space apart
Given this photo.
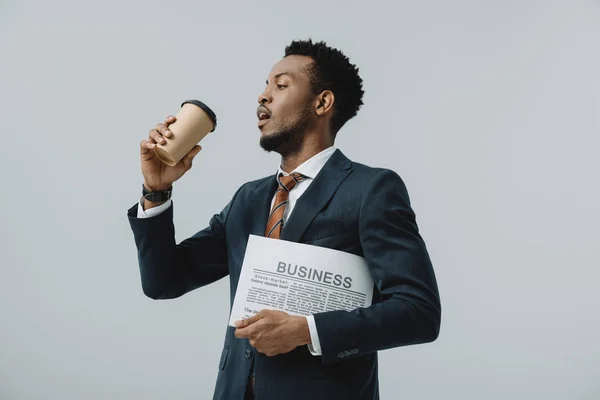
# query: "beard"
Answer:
x=287 y=139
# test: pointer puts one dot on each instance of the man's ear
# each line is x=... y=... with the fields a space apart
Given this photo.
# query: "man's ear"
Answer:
x=325 y=102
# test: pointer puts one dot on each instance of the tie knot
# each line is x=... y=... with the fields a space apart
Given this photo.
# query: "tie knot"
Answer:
x=288 y=182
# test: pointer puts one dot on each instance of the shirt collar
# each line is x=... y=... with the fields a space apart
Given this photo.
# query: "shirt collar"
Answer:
x=311 y=167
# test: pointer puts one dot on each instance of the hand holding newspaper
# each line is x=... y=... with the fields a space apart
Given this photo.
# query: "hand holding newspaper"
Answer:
x=299 y=279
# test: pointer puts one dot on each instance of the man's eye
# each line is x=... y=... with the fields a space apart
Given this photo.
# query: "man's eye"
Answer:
x=280 y=86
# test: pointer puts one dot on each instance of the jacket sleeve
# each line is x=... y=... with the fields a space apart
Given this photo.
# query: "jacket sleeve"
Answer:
x=169 y=270
x=410 y=310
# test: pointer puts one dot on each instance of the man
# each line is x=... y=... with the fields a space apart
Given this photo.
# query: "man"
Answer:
x=319 y=197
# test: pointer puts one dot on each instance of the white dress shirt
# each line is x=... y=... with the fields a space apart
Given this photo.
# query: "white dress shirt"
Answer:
x=310 y=168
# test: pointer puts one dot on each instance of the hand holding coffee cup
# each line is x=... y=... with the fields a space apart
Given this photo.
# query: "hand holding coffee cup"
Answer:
x=170 y=148
x=193 y=122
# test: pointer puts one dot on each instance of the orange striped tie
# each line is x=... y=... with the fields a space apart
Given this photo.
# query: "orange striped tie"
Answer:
x=275 y=223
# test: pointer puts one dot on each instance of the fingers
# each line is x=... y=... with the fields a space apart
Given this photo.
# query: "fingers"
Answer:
x=163 y=128
x=244 y=333
x=246 y=329
x=189 y=157
x=158 y=135
x=146 y=146
x=249 y=321
x=170 y=119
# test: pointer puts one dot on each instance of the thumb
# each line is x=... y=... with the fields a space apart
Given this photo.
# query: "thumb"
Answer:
x=189 y=157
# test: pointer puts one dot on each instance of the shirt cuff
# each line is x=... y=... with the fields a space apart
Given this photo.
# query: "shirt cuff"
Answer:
x=315 y=346
x=151 y=212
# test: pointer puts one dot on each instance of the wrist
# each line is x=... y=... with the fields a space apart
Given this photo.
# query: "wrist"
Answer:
x=154 y=196
x=302 y=330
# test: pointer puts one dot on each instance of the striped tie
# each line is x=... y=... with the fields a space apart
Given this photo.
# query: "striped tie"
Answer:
x=275 y=224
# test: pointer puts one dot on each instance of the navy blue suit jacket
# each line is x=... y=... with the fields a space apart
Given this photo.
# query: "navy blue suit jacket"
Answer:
x=350 y=207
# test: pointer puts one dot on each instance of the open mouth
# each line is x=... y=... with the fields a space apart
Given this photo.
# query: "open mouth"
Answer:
x=263 y=115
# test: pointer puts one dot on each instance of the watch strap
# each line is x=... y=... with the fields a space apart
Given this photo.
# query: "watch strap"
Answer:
x=156 y=197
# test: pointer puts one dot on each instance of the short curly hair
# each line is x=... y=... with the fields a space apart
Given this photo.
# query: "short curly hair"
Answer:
x=332 y=70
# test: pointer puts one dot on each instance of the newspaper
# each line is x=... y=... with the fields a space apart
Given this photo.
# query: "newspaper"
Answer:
x=299 y=279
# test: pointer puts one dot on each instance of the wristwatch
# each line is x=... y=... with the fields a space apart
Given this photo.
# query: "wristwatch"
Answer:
x=156 y=197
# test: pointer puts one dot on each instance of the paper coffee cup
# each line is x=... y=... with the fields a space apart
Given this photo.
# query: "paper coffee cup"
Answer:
x=194 y=121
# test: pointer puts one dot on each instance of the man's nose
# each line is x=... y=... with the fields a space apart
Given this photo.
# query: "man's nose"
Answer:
x=264 y=97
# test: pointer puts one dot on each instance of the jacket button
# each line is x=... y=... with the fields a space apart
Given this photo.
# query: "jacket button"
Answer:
x=248 y=354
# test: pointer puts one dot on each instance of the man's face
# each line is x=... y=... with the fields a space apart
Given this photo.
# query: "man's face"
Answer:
x=286 y=105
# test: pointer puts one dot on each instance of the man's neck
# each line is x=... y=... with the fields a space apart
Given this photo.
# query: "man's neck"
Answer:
x=290 y=162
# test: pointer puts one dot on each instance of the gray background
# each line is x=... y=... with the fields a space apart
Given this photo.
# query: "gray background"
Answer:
x=488 y=110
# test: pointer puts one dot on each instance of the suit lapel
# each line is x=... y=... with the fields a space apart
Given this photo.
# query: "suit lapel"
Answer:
x=316 y=196
x=262 y=206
